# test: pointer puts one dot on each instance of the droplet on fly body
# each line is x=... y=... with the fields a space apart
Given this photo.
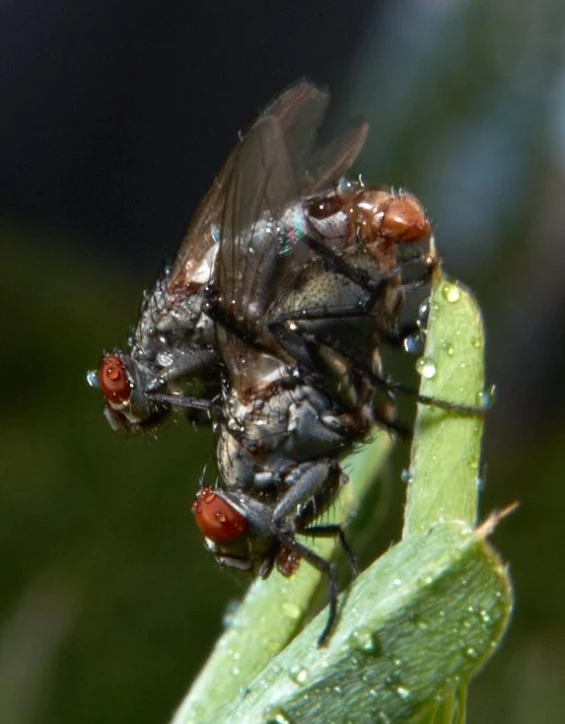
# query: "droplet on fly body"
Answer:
x=426 y=367
x=92 y=378
x=451 y=292
x=164 y=359
x=423 y=314
x=413 y=344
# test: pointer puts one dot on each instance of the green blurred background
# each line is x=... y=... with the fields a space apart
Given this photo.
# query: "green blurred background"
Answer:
x=115 y=117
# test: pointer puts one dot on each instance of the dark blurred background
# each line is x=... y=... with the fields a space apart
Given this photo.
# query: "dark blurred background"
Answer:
x=115 y=118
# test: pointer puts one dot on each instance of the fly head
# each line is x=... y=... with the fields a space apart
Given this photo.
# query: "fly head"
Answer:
x=123 y=383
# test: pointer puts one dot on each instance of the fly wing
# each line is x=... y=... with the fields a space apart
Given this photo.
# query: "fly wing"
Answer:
x=199 y=237
x=259 y=262
x=256 y=264
x=299 y=110
x=332 y=161
x=253 y=263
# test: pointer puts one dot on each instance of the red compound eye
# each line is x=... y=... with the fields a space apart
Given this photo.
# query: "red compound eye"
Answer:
x=216 y=518
x=113 y=379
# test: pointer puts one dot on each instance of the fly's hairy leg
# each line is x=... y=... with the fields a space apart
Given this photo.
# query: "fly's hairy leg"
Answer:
x=334 y=531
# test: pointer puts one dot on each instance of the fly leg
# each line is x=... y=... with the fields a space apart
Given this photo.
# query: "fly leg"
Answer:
x=327 y=568
x=307 y=484
x=190 y=403
x=334 y=531
x=294 y=340
x=312 y=486
x=186 y=364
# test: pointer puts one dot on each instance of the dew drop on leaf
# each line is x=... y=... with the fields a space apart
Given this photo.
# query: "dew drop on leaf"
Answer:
x=426 y=367
x=451 y=293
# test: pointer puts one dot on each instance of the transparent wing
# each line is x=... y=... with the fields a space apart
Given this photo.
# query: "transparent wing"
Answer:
x=299 y=111
x=332 y=161
x=258 y=261
x=199 y=237
x=263 y=183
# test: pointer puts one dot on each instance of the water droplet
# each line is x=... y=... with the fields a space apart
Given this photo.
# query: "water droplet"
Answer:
x=479 y=483
x=403 y=692
x=413 y=344
x=406 y=476
x=423 y=313
x=485 y=617
x=392 y=680
x=278 y=717
x=92 y=378
x=448 y=349
x=451 y=293
x=471 y=653
x=291 y=610
x=299 y=674
x=337 y=690
x=426 y=367
x=397 y=582
x=363 y=638
x=487 y=397
x=229 y=614
x=164 y=359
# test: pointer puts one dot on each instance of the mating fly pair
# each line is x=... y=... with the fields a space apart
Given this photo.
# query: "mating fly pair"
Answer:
x=271 y=320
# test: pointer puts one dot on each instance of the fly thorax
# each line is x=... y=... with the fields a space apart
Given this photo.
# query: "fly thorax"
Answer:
x=327 y=216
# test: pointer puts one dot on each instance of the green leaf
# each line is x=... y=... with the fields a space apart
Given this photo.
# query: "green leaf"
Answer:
x=446 y=452
x=422 y=619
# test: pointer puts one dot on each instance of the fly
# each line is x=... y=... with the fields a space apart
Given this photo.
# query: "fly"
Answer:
x=289 y=280
x=310 y=278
